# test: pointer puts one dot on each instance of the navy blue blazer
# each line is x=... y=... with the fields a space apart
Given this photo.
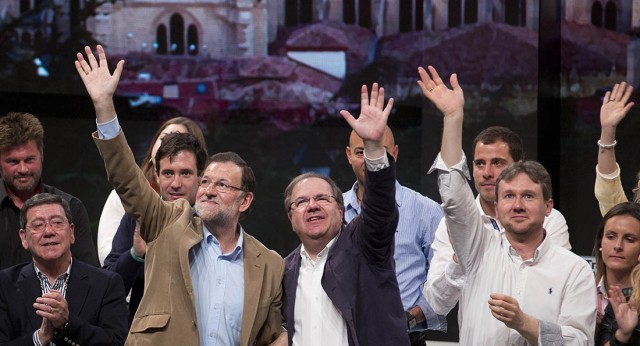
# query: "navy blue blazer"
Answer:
x=359 y=276
x=120 y=261
x=96 y=299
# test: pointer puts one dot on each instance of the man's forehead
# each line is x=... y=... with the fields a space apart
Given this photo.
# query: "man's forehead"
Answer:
x=520 y=181
x=311 y=186
x=45 y=210
x=183 y=155
x=222 y=168
x=497 y=148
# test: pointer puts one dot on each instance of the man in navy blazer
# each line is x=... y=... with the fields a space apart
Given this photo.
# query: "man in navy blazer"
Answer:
x=340 y=285
x=54 y=298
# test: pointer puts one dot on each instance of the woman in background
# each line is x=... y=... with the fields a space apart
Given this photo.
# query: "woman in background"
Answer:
x=617 y=248
x=620 y=322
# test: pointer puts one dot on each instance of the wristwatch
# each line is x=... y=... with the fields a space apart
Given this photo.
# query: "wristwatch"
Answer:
x=411 y=320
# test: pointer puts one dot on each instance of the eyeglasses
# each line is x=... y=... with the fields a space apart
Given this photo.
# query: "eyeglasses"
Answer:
x=56 y=224
x=218 y=185
x=303 y=202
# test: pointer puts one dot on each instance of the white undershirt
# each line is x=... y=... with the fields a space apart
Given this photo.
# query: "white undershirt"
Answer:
x=317 y=322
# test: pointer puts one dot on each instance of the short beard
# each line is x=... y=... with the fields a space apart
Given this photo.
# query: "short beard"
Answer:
x=218 y=220
x=22 y=188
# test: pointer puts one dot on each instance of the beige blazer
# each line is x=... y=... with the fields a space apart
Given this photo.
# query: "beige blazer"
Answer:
x=167 y=314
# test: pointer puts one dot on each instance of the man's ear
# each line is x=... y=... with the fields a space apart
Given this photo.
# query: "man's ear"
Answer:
x=72 y=234
x=347 y=151
x=395 y=152
x=246 y=201
x=23 y=239
x=548 y=206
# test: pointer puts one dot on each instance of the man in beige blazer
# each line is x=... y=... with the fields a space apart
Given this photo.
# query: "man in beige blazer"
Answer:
x=190 y=299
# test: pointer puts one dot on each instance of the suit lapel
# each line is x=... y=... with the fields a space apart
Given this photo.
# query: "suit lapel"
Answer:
x=254 y=268
x=78 y=288
x=28 y=285
x=289 y=286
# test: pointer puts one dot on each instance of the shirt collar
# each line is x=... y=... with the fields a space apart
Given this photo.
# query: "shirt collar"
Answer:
x=209 y=238
x=540 y=250
x=67 y=272
x=322 y=253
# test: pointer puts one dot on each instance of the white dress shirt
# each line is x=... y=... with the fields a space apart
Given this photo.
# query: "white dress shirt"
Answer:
x=555 y=286
x=445 y=279
x=317 y=321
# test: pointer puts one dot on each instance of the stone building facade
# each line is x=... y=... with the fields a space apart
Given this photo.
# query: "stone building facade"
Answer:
x=244 y=28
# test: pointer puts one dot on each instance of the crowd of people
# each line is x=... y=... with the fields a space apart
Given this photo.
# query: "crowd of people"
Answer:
x=379 y=264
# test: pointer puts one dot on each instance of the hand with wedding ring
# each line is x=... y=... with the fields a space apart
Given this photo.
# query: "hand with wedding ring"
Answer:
x=615 y=106
x=449 y=101
x=53 y=306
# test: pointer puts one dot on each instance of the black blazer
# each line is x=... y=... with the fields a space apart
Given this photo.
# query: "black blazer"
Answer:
x=359 y=276
x=96 y=299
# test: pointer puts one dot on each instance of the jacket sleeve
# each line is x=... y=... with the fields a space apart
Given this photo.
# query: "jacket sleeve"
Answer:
x=608 y=190
x=375 y=232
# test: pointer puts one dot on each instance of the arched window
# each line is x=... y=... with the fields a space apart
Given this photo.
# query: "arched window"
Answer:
x=161 y=40
x=176 y=32
x=306 y=11
x=411 y=15
x=610 y=15
x=364 y=13
x=357 y=12
x=419 y=15
x=455 y=13
x=596 y=14
x=515 y=12
x=192 y=40
x=349 y=11
x=470 y=11
x=298 y=12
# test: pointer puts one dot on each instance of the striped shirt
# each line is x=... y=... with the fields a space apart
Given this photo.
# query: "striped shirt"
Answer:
x=60 y=285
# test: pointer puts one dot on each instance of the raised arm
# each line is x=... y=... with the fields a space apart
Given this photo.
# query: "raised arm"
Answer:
x=100 y=83
x=375 y=228
x=615 y=107
x=137 y=196
x=451 y=103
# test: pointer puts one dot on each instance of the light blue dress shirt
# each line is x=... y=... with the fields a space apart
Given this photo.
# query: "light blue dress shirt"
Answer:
x=218 y=288
x=419 y=219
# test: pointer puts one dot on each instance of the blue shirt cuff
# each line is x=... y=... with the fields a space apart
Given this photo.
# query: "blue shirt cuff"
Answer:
x=108 y=130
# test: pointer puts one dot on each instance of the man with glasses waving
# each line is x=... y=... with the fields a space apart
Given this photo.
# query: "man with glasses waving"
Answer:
x=179 y=163
x=340 y=286
x=56 y=299
x=208 y=282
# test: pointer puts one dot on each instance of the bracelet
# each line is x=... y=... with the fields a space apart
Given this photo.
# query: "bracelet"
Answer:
x=136 y=258
x=607 y=146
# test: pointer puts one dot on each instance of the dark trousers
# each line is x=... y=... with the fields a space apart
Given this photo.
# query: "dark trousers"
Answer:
x=418 y=338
